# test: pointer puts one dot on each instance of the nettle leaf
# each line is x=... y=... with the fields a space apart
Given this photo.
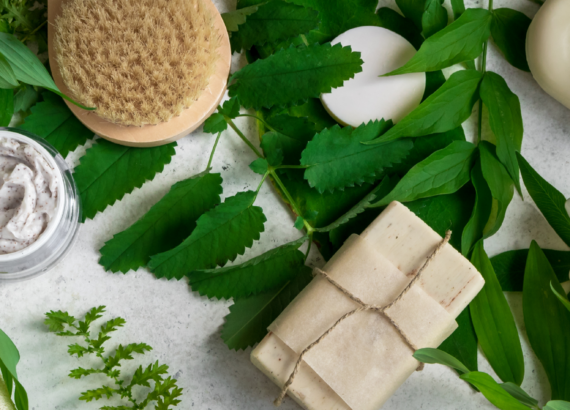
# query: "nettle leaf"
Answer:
x=249 y=318
x=215 y=123
x=287 y=142
x=443 y=172
x=493 y=391
x=233 y=19
x=260 y=274
x=444 y=110
x=107 y=172
x=274 y=21
x=394 y=21
x=413 y=10
x=561 y=297
x=494 y=323
x=510 y=266
x=505 y=118
x=434 y=17
x=473 y=231
x=462 y=344
x=52 y=120
x=435 y=356
x=459 y=42
x=500 y=184
x=509 y=30
x=8 y=79
x=336 y=157
x=208 y=245
x=294 y=74
x=547 y=321
x=6 y=107
x=165 y=225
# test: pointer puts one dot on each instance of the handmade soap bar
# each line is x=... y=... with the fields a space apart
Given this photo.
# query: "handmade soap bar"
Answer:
x=365 y=359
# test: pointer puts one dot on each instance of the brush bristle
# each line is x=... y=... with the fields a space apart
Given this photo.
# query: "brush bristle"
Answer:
x=138 y=61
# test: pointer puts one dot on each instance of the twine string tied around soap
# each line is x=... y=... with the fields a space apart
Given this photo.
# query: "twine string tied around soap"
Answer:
x=362 y=308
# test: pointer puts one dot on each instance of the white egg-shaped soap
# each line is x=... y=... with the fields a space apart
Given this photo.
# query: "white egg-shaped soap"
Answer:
x=548 y=49
x=370 y=97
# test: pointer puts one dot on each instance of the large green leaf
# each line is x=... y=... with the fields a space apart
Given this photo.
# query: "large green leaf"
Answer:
x=220 y=236
x=443 y=172
x=509 y=30
x=458 y=7
x=493 y=391
x=262 y=273
x=52 y=120
x=435 y=356
x=444 y=110
x=107 y=172
x=434 y=18
x=547 y=322
x=459 y=42
x=397 y=23
x=8 y=79
x=234 y=19
x=520 y=395
x=6 y=107
x=165 y=225
x=494 y=323
x=294 y=74
x=473 y=231
x=548 y=199
x=336 y=157
x=505 y=118
x=249 y=318
x=9 y=358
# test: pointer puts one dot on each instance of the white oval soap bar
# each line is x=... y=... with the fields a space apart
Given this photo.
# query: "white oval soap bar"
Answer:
x=370 y=97
x=548 y=49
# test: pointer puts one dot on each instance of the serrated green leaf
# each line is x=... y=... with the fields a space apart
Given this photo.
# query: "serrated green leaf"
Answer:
x=208 y=245
x=52 y=120
x=493 y=391
x=314 y=111
x=215 y=123
x=519 y=394
x=393 y=21
x=97 y=394
x=274 y=21
x=77 y=349
x=557 y=405
x=81 y=372
x=126 y=353
x=294 y=74
x=25 y=98
x=473 y=231
x=434 y=17
x=443 y=172
x=413 y=10
x=249 y=318
x=336 y=157
x=152 y=372
x=459 y=42
x=233 y=19
x=547 y=198
x=444 y=110
x=91 y=316
x=8 y=79
x=262 y=273
x=509 y=30
x=547 y=322
x=505 y=118
x=165 y=225
x=287 y=142
x=56 y=320
x=6 y=107
x=435 y=356
x=494 y=323
x=107 y=172
x=259 y=166
x=563 y=299
x=230 y=108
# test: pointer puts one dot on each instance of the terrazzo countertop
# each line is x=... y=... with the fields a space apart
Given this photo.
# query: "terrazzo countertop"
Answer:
x=184 y=328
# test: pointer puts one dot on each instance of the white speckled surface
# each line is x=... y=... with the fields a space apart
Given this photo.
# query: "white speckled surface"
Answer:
x=184 y=328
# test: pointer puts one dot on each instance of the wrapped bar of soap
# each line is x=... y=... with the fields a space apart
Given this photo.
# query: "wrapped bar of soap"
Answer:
x=367 y=356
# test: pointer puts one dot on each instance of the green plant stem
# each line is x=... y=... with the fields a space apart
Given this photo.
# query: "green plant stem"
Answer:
x=243 y=137
x=33 y=32
x=260 y=120
x=213 y=151
x=308 y=226
x=261 y=183
x=483 y=70
x=304 y=40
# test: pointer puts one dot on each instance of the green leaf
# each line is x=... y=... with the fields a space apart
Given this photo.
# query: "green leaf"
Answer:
x=25 y=98
x=459 y=42
x=563 y=299
x=230 y=108
x=9 y=358
x=6 y=107
x=435 y=356
x=259 y=166
x=215 y=123
x=56 y=321
x=274 y=21
x=152 y=372
x=262 y=273
x=500 y=184
x=52 y=120
x=413 y=10
x=509 y=30
x=548 y=199
x=126 y=353
x=510 y=267
x=314 y=111
x=444 y=110
x=249 y=318
x=434 y=18
x=287 y=142
x=97 y=394
x=81 y=372
x=393 y=21
x=547 y=322
x=208 y=245
x=557 y=405
x=233 y=19
x=458 y=7
x=299 y=223
x=494 y=323
x=520 y=395
x=107 y=172
x=90 y=317
x=336 y=157
x=8 y=79
x=443 y=172
x=463 y=342
x=294 y=74
x=493 y=391
x=505 y=118
x=165 y=225
x=473 y=231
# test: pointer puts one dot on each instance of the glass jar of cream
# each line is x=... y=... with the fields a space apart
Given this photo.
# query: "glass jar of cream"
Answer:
x=40 y=209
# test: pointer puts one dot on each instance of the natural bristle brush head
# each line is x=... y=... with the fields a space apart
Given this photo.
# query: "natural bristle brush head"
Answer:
x=139 y=62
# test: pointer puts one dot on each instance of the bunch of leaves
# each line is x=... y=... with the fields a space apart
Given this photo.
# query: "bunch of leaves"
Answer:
x=9 y=358
x=163 y=393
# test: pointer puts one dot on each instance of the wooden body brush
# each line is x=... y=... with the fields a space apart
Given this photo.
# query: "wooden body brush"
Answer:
x=155 y=69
